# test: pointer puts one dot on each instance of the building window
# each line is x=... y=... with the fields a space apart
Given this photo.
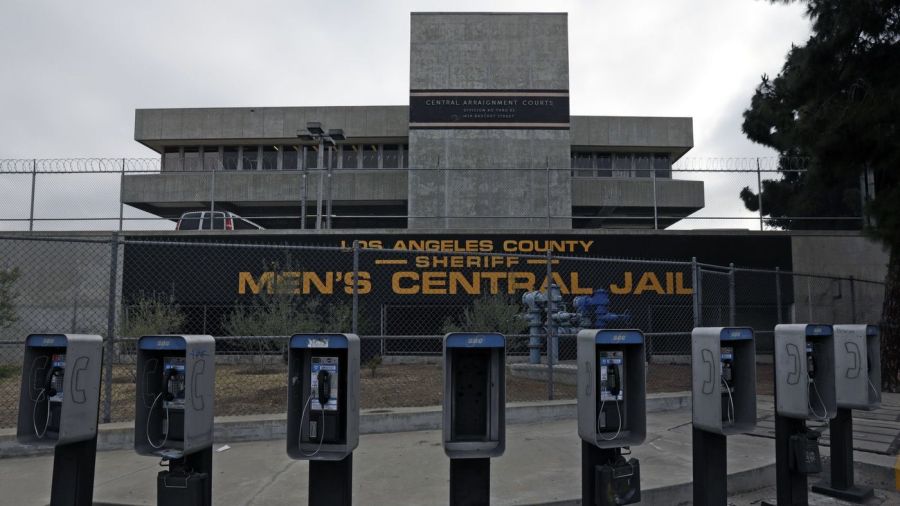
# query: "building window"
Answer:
x=370 y=156
x=390 y=157
x=603 y=162
x=230 y=158
x=643 y=163
x=172 y=158
x=662 y=164
x=211 y=158
x=191 y=159
x=405 y=156
x=249 y=157
x=622 y=165
x=270 y=157
x=349 y=156
x=582 y=160
x=290 y=157
x=310 y=157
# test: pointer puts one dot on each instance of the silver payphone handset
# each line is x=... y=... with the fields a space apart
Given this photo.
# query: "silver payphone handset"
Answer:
x=323 y=397
x=811 y=371
x=171 y=394
x=612 y=372
x=726 y=369
x=50 y=394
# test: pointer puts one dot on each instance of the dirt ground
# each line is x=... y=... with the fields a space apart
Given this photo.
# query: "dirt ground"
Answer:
x=261 y=389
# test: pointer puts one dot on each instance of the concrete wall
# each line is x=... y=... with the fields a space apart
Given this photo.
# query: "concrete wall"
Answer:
x=674 y=135
x=262 y=187
x=473 y=51
x=837 y=254
x=218 y=124
x=632 y=192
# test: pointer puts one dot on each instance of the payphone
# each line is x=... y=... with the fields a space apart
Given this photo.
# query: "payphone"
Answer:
x=58 y=406
x=804 y=390
x=174 y=413
x=611 y=394
x=323 y=396
x=323 y=411
x=857 y=375
x=474 y=411
x=723 y=370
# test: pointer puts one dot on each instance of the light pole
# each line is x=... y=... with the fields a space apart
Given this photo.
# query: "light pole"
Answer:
x=315 y=132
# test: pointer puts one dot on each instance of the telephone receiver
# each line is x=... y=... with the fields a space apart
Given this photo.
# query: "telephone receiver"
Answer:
x=197 y=400
x=793 y=351
x=166 y=377
x=48 y=380
x=707 y=357
x=324 y=380
x=613 y=381
x=76 y=390
x=853 y=349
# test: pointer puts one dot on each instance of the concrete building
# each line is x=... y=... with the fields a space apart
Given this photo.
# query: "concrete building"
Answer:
x=486 y=142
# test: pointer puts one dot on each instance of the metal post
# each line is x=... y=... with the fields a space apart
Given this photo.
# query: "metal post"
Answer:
x=695 y=280
x=110 y=325
x=655 y=208
x=212 y=201
x=852 y=300
x=709 y=468
x=548 y=196
x=778 y=319
x=842 y=484
x=328 y=205
x=759 y=195
x=321 y=163
x=551 y=339
x=305 y=195
x=33 y=182
x=731 y=302
x=809 y=317
x=121 y=199
x=470 y=481
x=355 y=286
x=331 y=482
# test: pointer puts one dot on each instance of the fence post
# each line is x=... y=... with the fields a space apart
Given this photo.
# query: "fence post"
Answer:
x=551 y=344
x=695 y=275
x=759 y=194
x=212 y=202
x=655 y=207
x=121 y=199
x=731 y=305
x=33 y=182
x=852 y=300
x=355 y=286
x=110 y=325
x=778 y=294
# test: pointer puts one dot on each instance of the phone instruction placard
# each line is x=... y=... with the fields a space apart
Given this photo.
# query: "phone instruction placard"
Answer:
x=329 y=364
x=176 y=381
x=611 y=365
x=58 y=360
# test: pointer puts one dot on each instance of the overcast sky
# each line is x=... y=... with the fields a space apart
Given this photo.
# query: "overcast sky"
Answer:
x=73 y=72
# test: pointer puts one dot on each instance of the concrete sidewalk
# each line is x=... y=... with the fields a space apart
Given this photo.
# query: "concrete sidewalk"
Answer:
x=542 y=464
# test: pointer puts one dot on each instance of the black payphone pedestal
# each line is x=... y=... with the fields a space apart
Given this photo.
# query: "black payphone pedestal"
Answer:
x=607 y=478
x=73 y=473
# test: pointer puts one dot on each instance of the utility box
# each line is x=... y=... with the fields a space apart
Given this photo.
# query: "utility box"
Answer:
x=175 y=395
x=611 y=387
x=804 y=371
x=723 y=379
x=323 y=396
x=60 y=389
x=474 y=410
x=857 y=366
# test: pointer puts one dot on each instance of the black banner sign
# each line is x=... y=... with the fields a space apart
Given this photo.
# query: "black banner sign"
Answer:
x=446 y=109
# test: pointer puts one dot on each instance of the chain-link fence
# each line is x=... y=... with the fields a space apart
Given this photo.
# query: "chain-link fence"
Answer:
x=252 y=297
x=597 y=190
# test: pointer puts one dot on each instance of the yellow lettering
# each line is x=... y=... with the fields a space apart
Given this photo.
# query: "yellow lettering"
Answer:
x=679 y=285
x=623 y=290
x=404 y=289
x=649 y=281
x=246 y=281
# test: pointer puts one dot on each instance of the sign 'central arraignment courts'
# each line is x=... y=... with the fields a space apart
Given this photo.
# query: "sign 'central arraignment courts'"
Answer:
x=533 y=109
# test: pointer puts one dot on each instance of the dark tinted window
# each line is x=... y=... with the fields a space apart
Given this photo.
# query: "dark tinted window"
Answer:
x=189 y=221
x=391 y=156
x=230 y=158
x=603 y=162
x=249 y=159
x=270 y=158
x=662 y=165
x=312 y=157
x=350 y=155
x=192 y=159
x=370 y=156
x=290 y=156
